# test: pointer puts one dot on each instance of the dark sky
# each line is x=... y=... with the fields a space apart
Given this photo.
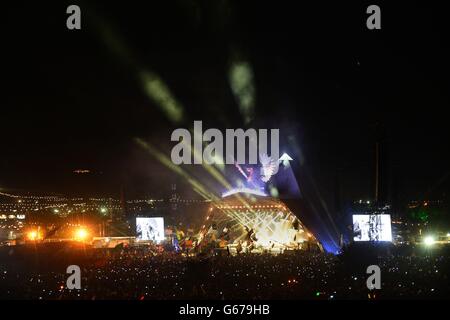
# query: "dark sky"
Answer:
x=69 y=102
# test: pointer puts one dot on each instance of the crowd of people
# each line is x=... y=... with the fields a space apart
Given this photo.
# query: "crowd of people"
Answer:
x=148 y=273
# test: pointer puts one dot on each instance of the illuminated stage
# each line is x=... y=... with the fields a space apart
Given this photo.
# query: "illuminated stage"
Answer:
x=255 y=223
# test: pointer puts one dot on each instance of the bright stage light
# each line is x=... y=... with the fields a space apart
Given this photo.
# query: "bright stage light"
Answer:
x=81 y=234
x=33 y=235
x=428 y=241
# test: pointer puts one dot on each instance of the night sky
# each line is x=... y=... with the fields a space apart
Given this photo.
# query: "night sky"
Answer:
x=332 y=86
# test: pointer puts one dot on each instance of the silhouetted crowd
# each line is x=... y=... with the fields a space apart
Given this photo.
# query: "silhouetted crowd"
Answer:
x=148 y=273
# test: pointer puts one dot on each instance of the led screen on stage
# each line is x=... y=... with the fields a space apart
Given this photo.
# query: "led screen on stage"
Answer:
x=372 y=227
x=150 y=229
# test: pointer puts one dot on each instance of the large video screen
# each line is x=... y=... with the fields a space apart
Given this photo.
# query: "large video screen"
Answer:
x=372 y=227
x=150 y=229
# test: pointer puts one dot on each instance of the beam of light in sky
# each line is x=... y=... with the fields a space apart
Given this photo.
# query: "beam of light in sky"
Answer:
x=159 y=92
x=295 y=146
x=242 y=84
x=177 y=169
x=197 y=186
x=217 y=175
x=151 y=83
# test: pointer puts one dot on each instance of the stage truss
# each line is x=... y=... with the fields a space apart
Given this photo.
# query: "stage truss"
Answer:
x=262 y=224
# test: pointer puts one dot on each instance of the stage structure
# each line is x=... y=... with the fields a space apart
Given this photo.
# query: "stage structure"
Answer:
x=251 y=221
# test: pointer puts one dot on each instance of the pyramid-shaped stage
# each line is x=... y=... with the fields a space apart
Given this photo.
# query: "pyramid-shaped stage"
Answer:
x=253 y=221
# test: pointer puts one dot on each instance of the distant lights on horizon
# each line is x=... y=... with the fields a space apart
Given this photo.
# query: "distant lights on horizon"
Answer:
x=81 y=171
